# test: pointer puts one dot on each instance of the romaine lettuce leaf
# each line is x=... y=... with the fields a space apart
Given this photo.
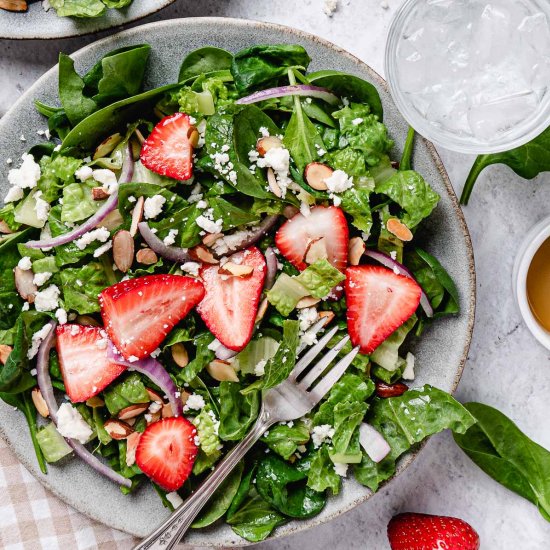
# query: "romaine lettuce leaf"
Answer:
x=237 y=411
x=386 y=354
x=321 y=475
x=285 y=440
x=81 y=286
x=123 y=394
x=320 y=278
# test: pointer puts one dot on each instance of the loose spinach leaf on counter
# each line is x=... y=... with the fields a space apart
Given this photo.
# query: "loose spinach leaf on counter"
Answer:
x=203 y=61
x=506 y=454
x=527 y=161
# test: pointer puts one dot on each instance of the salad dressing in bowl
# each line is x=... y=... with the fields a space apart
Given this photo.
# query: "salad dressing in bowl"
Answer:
x=538 y=285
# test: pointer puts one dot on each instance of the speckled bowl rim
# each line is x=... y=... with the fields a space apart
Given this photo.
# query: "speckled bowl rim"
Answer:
x=471 y=299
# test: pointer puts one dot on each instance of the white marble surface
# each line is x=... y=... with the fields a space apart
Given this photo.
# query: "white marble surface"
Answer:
x=507 y=368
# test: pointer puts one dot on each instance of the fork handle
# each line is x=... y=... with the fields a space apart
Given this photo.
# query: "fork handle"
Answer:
x=172 y=530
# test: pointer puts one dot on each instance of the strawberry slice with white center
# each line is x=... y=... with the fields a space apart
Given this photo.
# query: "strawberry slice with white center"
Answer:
x=82 y=352
x=139 y=313
x=169 y=148
x=166 y=452
x=230 y=304
x=298 y=234
x=378 y=302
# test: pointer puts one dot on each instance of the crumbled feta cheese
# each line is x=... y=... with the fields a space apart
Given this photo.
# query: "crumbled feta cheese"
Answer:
x=357 y=121
x=14 y=194
x=195 y=402
x=24 y=263
x=154 y=407
x=321 y=434
x=201 y=205
x=40 y=278
x=214 y=345
x=25 y=306
x=34 y=372
x=36 y=340
x=393 y=254
x=27 y=175
x=71 y=424
x=47 y=299
x=61 y=315
x=277 y=158
x=155 y=353
x=259 y=369
x=132 y=199
x=41 y=207
x=152 y=206
x=84 y=173
x=107 y=179
x=307 y=317
x=192 y=268
x=174 y=499
x=408 y=372
x=341 y=469
x=102 y=249
x=264 y=131
x=9 y=161
x=227 y=243
x=206 y=222
x=304 y=209
x=133 y=358
x=338 y=181
x=171 y=237
x=22 y=138
x=329 y=7
x=100 y=234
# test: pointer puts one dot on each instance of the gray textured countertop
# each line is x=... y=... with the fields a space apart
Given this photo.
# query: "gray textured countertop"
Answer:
x=507 y=368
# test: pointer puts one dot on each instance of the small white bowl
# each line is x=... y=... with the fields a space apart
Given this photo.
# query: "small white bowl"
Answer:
x=528 y=248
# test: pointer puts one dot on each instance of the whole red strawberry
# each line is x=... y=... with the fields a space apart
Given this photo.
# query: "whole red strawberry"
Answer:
x=410 y=531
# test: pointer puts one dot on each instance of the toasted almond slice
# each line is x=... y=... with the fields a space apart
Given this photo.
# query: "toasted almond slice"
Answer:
x=399 y=229
x=87 y=321
x=356 y=250
x=222 y=371
x=184 y=397
x=146 y=256
x=112 y=220
x=315 y=175
x=123 y=250
x=202 y=254
x=131 y=421
x=262 y=308
x=154 y=396
x=264 y=144
x=167 y=411
x=13 y=5
x=179 y=355
x=139 y=135
x=137 y=216
x=211 y=238
x=39 y=402
x=99 y=194
x=273 y=185
x=95 y=402
x=132 y=411
x=4 y=353
x=24 y=284
x=327 y=315
x=290 y=211
x=107 y=146
x=117 y=429
x=193 y=136
x=5 y=228
x=307 y=301
x=236 y=270
x=316 y=250
x=131 y=445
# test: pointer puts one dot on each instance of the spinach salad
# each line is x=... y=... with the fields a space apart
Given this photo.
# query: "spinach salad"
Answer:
x=70 y=8
x=167 y=253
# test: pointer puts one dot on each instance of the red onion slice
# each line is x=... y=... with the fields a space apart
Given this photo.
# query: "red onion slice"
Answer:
x=282 y=91
x=127 y=170
x=372 y=441
x=389 y=262
x=155 y=372
x=172 y=253
x=46 y=389
x=271 y=267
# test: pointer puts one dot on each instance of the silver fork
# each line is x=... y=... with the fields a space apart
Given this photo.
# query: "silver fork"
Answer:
x=290 y=400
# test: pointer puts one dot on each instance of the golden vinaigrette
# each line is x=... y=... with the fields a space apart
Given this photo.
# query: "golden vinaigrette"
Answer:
x=538 y=285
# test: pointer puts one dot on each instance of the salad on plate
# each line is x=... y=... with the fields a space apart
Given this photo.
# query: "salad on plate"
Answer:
x=167 y=254
x=69 y=8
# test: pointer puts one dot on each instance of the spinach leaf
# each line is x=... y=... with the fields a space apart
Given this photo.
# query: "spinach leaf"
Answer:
x=527 y=161
x=321 y=475
x=345 y=441
x=131 y=390
x=405 y=163
x=14 y=375
x=285 y=439
x=264 y=63
x=202 y=358
x=506 y=454
x=407 y=420
x=237 y=411
x=284 y=486
x=349 y=86
x=78 y=8
x=81 y=286
x=204 y=60
x=242 y=492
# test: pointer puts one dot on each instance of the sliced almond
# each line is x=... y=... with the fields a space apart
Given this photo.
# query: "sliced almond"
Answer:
x=154 y=396
x=315 y=175
x=131 y=421
x=99 y=194
x=112 y=220
x=307 y=301
x=211 y=238
x=95 y=402
x=185 y=395
x=123 y=250
x=24 y=284
x=202 y=254
x=236 y=270
x=87 y=321
x=167 y=411
x=13 y=5
x=132 y=411
x=356 y=249
x=146 y=256
x=5 y=228
x=4 y=353
x=193 y=136
x=39 y=402
x=180 y=355
x=137 y=216
x=272 y=182
x=131 y=445
x=139 y=135
x=316 y=250
x=262 y=308
x=327 y=315
x=107 y=146
x=399 y=229
x=151 y=418
x=222 y=371
x=264 y=144
x=290 y=211
x=117 y=429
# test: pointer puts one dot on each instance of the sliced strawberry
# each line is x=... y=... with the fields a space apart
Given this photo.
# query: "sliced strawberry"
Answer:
x=425 y=532
x=83 y=360
x=166 y=451
x=378 y=301
x=230 y=304
x=296 y=235
x=169 y=148
x=139 y=313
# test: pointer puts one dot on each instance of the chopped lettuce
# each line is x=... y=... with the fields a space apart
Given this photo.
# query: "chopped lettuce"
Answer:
x=53 y=444
x=262 y=349
x=286 y=293
x=123 y=394
x=386 y=355
x=320 y=278
x=237 y=411
x=284 y=439
x=321 y=474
